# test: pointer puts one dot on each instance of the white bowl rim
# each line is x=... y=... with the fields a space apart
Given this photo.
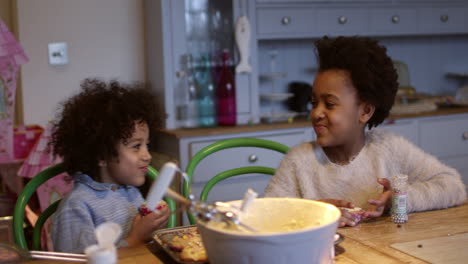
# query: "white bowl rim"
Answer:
x=278 y=234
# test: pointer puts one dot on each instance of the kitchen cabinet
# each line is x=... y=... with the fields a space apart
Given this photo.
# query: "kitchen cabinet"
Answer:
x=314 y=1
x=447 y=138
x=312 y=19
x=274 y=21
x=444 y=136
x=437 y=28
x=408 y=128
x=184 y=148
x=342 y=21
x=285 y=22
x=393 y=20
x=443 y=20
x=176 y=28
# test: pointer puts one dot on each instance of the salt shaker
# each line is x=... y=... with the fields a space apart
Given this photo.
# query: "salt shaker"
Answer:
x=399 y=198
x=104 y=252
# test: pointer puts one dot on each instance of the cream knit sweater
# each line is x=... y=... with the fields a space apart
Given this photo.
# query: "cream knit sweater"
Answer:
x=306 y=172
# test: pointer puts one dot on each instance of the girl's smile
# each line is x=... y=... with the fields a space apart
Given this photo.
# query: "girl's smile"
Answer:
x=320 y=129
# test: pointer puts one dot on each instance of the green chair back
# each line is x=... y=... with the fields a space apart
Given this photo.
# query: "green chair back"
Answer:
x=227 y=144
x=31 y=187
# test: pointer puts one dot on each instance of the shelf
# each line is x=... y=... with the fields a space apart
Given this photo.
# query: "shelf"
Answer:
x=272 y=75
x=278 y=117
x=276 y=96
x=457 y=74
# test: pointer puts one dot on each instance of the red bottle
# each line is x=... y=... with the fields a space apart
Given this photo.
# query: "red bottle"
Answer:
x=226 y=94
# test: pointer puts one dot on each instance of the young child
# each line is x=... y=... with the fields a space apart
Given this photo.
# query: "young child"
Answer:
x=355 y=87
x=102 y=135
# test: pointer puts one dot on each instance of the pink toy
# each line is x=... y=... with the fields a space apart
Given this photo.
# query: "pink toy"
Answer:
x=12 y=57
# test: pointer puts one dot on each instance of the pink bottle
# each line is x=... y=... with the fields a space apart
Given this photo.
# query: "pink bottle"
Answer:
x=226 y=94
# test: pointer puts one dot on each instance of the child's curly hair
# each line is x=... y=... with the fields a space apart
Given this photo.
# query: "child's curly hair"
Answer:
x=371 y=70
x=93 y=123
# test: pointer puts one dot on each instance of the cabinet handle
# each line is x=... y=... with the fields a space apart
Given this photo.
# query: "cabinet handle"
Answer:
x=285 y=20
x=465 y=135
x=342 y=20
x=395 y=19
x=180 y=74
x=444 y=18
x=253 y=158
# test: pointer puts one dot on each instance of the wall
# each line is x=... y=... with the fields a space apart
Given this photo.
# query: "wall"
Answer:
x=429 y=59
x=105 y=39
x=5 y=14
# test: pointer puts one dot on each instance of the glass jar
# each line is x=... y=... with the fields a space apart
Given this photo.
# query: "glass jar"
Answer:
x=399 y=198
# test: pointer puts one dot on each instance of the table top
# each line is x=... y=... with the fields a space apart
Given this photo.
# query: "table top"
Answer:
x=369 y=242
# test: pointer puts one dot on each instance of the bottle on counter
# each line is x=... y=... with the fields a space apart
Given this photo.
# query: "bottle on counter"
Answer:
x=399 y=198
x=192 y=104
x=226 y=94
x=186 y=109
x=206 y=93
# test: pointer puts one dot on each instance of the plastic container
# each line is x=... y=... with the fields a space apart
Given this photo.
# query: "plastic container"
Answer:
x=24 y=139
x=399 y=198
x=291 y=231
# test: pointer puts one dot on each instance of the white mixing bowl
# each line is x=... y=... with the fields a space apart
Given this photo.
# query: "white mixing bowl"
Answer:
x=291 y=231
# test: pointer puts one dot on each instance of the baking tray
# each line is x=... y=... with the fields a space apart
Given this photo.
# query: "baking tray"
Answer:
x=163 y=236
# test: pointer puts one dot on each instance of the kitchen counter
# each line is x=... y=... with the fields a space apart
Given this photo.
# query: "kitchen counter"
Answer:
x=297 y=123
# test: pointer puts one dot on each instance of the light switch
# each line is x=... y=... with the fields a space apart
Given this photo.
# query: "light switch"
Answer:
x=58 y=53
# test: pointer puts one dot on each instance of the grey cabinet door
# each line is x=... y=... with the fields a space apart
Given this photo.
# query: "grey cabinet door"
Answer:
x=311 y=19
x=168 y=45
x=445 y=137
x=406 y=128
x=443 y=20
x=286 y=22
x=388 y=21
x=342 y=21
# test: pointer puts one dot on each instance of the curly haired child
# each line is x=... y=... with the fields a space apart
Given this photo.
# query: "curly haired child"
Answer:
x=103 y=134
x=347 y=166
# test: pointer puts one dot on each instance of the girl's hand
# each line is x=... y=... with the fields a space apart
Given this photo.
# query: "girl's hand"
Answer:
x=382 y=203
x=143 y=226
x=347 y=218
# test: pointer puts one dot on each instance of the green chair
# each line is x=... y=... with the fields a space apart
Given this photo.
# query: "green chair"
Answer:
x=30 y=188
x=227 y=144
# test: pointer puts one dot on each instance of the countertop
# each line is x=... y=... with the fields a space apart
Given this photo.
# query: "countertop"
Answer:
x=297 y=123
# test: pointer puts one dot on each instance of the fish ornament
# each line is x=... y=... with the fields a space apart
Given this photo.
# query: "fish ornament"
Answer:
x=242 y=33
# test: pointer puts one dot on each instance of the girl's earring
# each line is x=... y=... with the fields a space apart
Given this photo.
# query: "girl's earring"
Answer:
x=102 y=163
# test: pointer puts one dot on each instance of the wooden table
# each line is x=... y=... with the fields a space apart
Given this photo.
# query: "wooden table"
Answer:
x=369 y=242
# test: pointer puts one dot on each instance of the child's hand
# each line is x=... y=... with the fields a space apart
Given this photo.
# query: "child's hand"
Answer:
x=143 y=226
x=378 y=206
x=347 y=218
